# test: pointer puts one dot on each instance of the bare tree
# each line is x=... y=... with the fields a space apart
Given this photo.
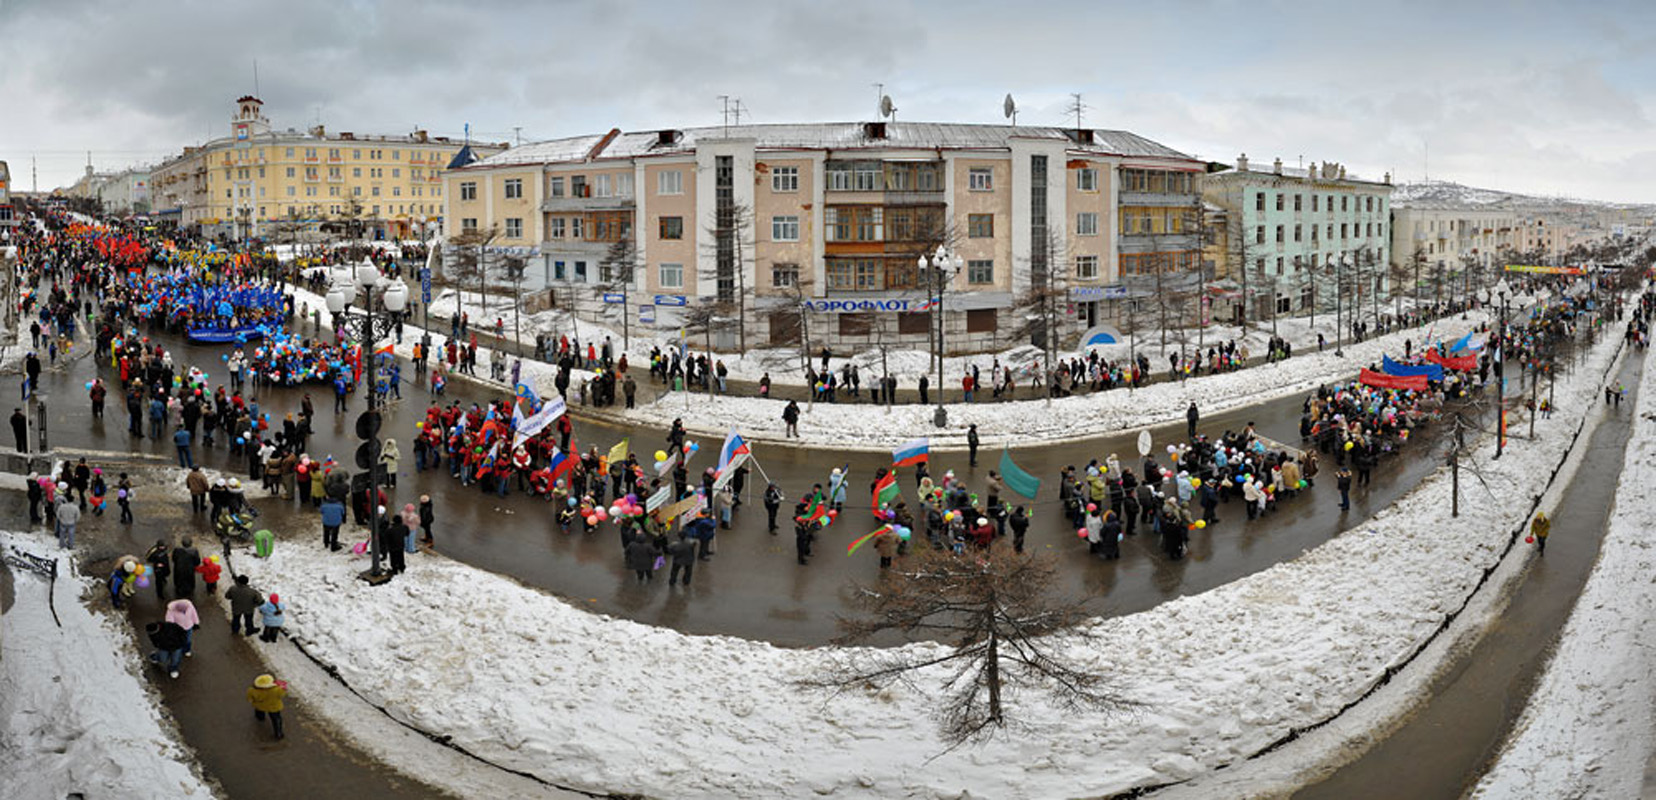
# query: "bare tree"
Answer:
x=1003 y=632
x=1039 y=309
x=471 y=261
x=731 y=228
x=513 y=269
x=621 y=262
x=1243 y=253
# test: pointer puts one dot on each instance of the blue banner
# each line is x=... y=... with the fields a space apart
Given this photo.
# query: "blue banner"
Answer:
x=1433 y=372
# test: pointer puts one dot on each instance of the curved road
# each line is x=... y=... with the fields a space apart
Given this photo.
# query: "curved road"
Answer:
x=753 y=587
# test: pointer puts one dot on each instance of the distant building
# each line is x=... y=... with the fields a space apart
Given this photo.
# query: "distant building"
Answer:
x=8 y=217
x=1299 y=231
x=244 y=184
x=821 y=225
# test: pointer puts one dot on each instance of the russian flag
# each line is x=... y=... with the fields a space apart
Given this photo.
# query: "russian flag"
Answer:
x=559 y=463
x=915 y=452
x=734 y=446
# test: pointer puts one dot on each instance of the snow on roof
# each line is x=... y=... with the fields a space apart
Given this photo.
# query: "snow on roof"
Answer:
x=830 y=136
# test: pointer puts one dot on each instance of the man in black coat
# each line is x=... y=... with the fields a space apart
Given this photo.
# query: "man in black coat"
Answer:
x=641 y=556
x=20 y=429
x=683 y=552
x=1191 y=417
x=185 y=559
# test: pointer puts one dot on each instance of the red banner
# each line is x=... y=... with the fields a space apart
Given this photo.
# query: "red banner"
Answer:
x=1462 y=363
x=1384 y=381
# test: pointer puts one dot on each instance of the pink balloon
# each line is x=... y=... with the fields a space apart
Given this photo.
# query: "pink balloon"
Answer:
x=359 y=548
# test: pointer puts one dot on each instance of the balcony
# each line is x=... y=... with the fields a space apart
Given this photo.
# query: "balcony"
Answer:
x=914 y=197
x=1157 y=199
x=568 y=204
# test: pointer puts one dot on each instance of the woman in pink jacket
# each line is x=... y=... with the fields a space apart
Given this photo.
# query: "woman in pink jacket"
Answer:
x=182 y=613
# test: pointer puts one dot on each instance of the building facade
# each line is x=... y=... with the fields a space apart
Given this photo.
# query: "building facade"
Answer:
x=821 y=226
x=1299 y=233
x=8 y=215
x=258 y=180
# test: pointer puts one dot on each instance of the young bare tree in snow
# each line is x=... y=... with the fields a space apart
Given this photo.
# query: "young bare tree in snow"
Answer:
x=1002 y=631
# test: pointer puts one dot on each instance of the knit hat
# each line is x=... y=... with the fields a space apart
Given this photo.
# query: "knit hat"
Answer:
x=274 y=598
x=264 y=682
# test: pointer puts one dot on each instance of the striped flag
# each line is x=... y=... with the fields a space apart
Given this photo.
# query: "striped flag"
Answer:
x=852 y=547
x=885 y=491
x=915 y=452
x=559 y=463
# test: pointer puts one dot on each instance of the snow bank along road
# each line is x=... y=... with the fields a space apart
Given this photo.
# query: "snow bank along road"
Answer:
x=599 y=704
x=75 y=717
x=1589 y=727
x=865 y=427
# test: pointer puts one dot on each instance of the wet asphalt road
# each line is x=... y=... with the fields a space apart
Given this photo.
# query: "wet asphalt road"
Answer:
x=753 y=587
x=1447 y=743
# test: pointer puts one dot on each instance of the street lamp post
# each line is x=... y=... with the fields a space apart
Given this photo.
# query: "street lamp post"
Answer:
x=1339 y=297
x=1500 y=372
x=942 y=266
x=367 y=330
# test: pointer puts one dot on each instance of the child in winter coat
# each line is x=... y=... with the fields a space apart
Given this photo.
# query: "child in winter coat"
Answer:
x=209 y=570
x=427 y=515
x=272 y=616
x=266 y=697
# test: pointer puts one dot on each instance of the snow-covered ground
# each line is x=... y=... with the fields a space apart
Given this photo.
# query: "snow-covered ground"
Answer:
x=1590 y=725
x=76 y=719
x=783 y=365
x=531 y=682
x=862 y=426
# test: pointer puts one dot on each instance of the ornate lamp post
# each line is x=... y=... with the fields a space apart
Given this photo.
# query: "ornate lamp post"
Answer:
x=367 y=330
x=942 y=266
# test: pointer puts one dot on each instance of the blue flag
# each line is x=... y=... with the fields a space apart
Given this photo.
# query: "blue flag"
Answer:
x=1016 y=478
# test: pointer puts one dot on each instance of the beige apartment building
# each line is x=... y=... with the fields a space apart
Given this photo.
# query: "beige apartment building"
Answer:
x=823 y=225
x=248 y=183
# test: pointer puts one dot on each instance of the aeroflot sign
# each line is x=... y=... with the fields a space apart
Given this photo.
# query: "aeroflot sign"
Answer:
x=853 y=306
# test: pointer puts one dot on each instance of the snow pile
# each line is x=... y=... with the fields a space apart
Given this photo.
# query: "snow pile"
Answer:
x=75 y=717
x=1589 y=726
x=532 y=683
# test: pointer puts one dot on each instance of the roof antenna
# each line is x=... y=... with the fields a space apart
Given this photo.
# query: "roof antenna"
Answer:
x=255 y=77
x=724 y=115
x=1076 y=107
x=1009 y=109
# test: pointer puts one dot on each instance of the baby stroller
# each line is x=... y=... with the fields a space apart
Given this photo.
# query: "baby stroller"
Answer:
x=236 y=524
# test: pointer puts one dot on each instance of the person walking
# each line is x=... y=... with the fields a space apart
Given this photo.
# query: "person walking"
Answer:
x=185 y=559
x=1342 y=480
x=683 y=552
x=790 y=418
x=271 y=616
x=181 y=438
x=20 y=428
x=170 y=643
x=1191 y=417
x=182 y=612
x=428 y=515
x=1540 y=527
x=971 y=444
x=196 y=482
x=773 y=502
x=641 y=556
x=244 y=600
x=265 y=695
x=393 y=539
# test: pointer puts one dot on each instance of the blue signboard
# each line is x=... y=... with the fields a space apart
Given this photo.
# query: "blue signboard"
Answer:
x=646 y=315
x=670 y=300
x=615 y=298
x=425 y=285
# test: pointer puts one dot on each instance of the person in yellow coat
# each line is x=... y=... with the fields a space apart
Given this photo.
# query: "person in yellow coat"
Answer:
x=1539 y=528
x=266 y=698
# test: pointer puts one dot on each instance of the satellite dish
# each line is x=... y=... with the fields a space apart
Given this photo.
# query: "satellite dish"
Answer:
x=1009 y=108
x=886 y=108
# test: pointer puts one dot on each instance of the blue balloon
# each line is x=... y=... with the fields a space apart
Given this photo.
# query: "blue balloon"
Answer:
x=240 y=440
x=571 y=502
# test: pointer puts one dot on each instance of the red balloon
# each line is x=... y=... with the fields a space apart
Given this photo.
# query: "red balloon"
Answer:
x=832 y=513
x=1081 y=533
x=1529 y=540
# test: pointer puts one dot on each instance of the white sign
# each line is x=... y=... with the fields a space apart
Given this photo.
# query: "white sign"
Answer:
x=538 y=421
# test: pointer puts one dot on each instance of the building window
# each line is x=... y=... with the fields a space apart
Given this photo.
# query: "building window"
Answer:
x=1086 y=179
x=1086 y=224
x=785 y=229
x=1279 y=201
x=859 y=274
x=291 y=192
x=555 y=187
x=290 y=172
x=1259 y=201
x=1298 y=231
x=1345 y=203
x=577 y=228
x=866 y=178
x=557 y=228
x=1086 y=267
x=290 y=152
x=468 y=190
x=785 y=179
x=672 y=227
x=980 y=179
x=670 y=181
x=980 y=271
x=980 y=226
x=856 y=324
x=981 y=320
x=785 y=275
x=468 y=224
x=670 y=276
x=1279 y=234
x=376 y=191
x=1297 y=198
x=1279 y=265
x=1259 y=233
x=514 y=187
x=1315 y=202
x=514 y=228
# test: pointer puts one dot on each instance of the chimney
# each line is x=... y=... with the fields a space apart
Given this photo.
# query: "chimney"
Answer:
x=1242 y=163
x=1342 y=172
x=874 y=130
x=1276 y=166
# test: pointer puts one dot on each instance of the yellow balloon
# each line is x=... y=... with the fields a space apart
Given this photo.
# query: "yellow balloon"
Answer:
x=1350 y=445
x=1201 y=523
x=661 y=455
x=1196 y=482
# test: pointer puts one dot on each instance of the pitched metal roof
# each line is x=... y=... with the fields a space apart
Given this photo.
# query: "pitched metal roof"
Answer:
x=830 y=136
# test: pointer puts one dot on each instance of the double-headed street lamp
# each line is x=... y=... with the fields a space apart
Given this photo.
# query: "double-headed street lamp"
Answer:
x=1500 y=371
x=942 y=266
x=345 y=286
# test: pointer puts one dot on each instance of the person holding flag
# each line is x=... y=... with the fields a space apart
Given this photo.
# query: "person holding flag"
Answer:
x=885 y=492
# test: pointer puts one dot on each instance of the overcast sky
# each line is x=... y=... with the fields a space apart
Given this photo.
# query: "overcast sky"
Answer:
x=1544 y=98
